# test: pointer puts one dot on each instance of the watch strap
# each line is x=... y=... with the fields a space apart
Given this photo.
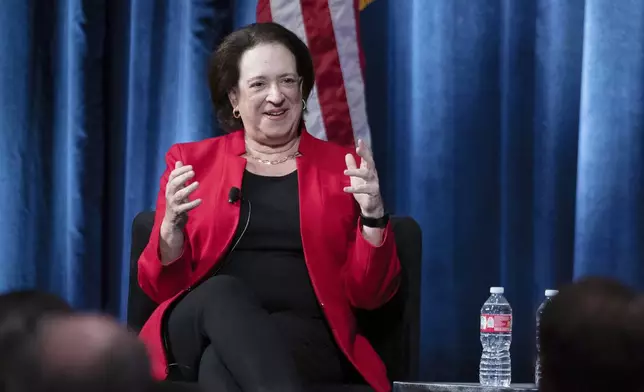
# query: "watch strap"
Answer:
x=379 y=223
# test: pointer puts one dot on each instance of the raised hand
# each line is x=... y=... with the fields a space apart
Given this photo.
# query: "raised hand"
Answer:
x=365 y=185
x=177 y=203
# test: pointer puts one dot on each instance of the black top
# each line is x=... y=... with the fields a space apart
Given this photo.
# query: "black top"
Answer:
x=269 y=256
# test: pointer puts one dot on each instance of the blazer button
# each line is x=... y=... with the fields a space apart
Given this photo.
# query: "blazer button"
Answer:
x=322 y=304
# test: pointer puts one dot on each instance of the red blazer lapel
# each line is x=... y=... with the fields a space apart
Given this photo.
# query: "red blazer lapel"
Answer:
x=324 y=211
x=226 y=172
x=311 y=215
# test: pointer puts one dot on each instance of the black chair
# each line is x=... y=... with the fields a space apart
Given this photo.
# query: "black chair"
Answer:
x=393 y=329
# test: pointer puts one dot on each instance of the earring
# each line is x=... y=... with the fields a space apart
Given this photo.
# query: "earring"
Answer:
x=236 y=113
x=303 y=105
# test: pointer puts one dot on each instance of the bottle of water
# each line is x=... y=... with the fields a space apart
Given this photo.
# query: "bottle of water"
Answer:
x=537 y=366
x=495 y=369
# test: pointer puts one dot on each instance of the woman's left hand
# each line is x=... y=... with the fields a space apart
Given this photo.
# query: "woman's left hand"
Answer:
x=364 y=182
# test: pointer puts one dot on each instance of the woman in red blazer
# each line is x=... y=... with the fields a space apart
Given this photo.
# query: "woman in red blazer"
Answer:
x=266 y=239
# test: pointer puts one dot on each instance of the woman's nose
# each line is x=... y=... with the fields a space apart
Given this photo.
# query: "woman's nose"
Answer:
x=275 y=95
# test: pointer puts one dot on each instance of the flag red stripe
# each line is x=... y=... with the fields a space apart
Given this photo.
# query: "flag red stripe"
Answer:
x=328 y=73
x=264 y=11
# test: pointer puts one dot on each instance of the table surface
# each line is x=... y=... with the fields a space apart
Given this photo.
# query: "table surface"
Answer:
x=458 y=387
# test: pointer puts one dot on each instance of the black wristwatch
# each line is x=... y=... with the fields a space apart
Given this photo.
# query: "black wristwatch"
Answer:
x=379 y=223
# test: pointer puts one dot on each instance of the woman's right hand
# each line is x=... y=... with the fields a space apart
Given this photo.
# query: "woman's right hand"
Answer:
x=177 y=206
x=177 y=203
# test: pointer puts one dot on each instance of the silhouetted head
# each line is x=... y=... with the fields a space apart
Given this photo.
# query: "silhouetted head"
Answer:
x=21 y=310
x=20 y=314
x=84 y=353
x=592 y=338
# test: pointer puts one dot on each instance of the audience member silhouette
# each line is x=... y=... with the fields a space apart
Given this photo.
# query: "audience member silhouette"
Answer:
x=21 y=310
x=592 y=338
x=20 y=313
x=74 y=353
x=46 y=347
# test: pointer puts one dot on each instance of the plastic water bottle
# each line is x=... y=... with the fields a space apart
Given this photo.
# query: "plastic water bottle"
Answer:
x=537 y=366
x=495 y=369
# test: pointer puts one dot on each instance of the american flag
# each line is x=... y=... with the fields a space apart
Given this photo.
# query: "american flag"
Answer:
x=336 y=109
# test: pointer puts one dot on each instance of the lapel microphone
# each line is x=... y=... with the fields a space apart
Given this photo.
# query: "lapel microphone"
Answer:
x=234 y=195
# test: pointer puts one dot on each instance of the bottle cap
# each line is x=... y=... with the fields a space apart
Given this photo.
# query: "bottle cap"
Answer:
x=496 y=290
x=551 y=293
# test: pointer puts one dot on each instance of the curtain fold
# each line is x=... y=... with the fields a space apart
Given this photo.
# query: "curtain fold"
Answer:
x=610 y=190
x=52 y=147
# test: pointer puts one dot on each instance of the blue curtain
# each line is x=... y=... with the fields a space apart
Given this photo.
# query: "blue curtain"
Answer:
x=512 y=131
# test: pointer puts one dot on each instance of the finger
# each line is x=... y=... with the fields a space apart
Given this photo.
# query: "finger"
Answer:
x=367 y=189
x=178 y=182
x=364 y=151
x=350 y=161
x=360 y=173
x=183 y=177
x=185 y=207
x=183 y=194
x=178 y=164
x=178 y=171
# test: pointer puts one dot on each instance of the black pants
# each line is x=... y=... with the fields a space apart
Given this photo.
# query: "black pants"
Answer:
x=220 y=336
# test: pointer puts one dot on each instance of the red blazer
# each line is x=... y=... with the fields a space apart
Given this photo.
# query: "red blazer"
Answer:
x=347 y=272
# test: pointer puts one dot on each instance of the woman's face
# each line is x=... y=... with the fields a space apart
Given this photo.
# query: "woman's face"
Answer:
x=268 y=94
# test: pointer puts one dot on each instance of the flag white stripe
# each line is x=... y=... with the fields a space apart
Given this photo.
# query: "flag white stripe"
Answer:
x=344 y=16
x=288 y=13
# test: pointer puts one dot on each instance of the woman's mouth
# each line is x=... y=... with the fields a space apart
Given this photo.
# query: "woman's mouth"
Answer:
x=276 y=114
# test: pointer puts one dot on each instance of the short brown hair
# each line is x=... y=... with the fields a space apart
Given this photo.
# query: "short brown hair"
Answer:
x=223 y=71
x=592 y=338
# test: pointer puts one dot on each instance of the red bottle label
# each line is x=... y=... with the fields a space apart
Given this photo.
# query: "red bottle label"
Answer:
x=496 y=323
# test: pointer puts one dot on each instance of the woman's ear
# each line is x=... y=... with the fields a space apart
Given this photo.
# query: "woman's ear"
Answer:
x=232 y=97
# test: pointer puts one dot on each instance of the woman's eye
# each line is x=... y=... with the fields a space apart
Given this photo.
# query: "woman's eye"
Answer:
x=256 y=84
x=289 y=80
